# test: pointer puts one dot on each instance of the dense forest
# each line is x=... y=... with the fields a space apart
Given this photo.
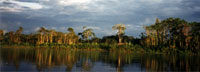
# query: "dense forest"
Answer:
x=172 y=35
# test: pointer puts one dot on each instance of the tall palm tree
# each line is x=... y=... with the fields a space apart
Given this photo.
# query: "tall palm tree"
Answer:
x=41 y=35
x=18 y=35
x=120 y=28
x=87 y=33
x=51 y=34
x=72 y=37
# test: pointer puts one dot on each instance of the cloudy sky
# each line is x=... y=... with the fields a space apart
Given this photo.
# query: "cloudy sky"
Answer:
x=99 y=15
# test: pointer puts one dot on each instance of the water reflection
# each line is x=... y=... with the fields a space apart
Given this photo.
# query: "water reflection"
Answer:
x=74 y=60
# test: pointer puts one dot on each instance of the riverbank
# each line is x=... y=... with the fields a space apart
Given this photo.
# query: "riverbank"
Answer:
x=105 y=47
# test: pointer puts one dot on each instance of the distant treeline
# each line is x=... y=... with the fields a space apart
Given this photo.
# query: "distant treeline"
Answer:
x=172 y=34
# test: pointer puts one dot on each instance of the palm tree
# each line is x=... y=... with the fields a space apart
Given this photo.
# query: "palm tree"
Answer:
x=41 y=35
x=120 y=28
x=87 y=33
x=72 y=37
x=59 y=37
x=18 y=35
x=51 y=34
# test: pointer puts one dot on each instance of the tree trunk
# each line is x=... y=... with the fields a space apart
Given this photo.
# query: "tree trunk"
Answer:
x=120 y=39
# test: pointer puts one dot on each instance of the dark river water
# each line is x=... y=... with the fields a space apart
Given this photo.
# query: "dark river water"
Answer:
x=27 y=59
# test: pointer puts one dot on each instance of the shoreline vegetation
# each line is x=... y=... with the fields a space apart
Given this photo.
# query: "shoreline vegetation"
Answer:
x=169 y=36
x=107 y=48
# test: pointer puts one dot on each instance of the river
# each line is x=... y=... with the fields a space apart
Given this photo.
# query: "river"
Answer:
x=44 y=59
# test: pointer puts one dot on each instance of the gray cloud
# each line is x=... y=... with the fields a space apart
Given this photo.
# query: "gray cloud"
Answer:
x=100 y=15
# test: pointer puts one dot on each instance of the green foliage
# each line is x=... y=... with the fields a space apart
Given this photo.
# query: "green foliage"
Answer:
x=172 y=35
x=120 y=28
x=87 y=33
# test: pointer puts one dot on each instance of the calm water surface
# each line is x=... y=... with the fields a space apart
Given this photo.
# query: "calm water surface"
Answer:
x=27 y=59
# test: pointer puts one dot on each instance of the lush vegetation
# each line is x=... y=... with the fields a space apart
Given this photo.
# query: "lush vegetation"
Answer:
x=172 y=35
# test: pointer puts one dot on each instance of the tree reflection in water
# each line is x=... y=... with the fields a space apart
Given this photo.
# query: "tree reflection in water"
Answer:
x=45 y=59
